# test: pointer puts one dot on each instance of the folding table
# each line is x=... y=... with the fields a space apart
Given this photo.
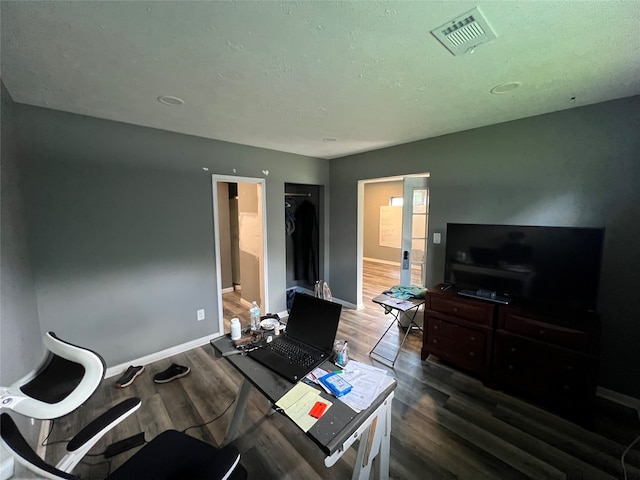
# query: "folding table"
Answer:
x=397 y=307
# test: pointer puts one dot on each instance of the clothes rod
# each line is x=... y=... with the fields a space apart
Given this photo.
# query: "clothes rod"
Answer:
x=297 y=194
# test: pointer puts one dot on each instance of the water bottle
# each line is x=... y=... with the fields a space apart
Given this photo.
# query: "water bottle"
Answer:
x=254 y=311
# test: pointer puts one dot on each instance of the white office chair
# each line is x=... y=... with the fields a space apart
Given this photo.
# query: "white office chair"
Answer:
x=77 y=447
x=169 y=456
x=65 y=378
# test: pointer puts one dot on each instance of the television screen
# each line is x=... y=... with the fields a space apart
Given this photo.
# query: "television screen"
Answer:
x=557 y=266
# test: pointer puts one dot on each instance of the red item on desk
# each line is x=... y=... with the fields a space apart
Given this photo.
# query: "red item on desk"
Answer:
x=318 y=409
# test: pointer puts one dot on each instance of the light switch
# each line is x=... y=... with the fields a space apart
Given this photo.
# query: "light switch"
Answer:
x=437 y=238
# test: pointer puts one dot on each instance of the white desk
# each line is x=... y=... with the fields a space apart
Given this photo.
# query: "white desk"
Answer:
x=335 y=431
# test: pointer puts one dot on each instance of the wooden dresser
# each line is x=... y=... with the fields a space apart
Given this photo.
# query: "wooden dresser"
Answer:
x=459 y=330
x=548 y=356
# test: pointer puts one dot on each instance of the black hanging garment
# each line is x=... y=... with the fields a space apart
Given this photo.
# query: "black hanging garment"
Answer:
x=305 y=243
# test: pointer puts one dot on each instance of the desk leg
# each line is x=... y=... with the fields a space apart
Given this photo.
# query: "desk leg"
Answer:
x=381 y=462
x=374 y=447
x=238 y=412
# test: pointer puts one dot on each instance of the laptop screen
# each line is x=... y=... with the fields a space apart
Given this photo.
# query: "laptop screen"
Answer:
x=314 y=321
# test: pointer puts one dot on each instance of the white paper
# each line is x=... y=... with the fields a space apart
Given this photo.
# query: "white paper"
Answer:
x=367 y=382
x=297 y=403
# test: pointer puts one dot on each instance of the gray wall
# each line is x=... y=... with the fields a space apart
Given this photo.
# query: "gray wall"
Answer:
x=20 y=337
x=119 y=219
x=578 y=167
x=121 y=230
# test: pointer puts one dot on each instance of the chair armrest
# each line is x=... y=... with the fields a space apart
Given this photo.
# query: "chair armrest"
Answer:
x=86 y=438
x=104 y=423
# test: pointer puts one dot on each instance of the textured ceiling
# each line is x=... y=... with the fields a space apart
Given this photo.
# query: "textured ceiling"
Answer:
x=324 y=79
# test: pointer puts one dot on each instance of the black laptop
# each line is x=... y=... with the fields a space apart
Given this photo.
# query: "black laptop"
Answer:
x=308 y=340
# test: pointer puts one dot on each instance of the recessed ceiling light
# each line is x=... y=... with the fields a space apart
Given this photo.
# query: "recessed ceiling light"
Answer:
x=171 y=101
x=329 y=139
x=505 y=87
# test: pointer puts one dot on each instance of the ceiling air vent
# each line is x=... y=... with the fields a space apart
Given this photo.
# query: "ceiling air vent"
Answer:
x=464 y=33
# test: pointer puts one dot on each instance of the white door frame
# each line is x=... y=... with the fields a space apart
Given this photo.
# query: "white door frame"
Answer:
x=216 y=238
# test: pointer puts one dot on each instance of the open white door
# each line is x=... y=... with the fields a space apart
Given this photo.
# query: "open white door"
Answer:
x=415 y=213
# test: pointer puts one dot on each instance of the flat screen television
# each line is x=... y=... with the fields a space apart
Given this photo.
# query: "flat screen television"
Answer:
x=546 y=266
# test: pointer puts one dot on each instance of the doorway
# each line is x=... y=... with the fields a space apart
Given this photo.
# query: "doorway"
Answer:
x=392 y=231
x=240 y=243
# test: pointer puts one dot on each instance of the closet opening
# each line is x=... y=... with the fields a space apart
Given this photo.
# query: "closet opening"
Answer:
x=304 y=236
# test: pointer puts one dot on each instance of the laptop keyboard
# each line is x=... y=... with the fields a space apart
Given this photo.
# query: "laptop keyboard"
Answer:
x=295 y=351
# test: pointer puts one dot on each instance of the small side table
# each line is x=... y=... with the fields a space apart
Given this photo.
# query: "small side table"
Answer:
x=397 y=307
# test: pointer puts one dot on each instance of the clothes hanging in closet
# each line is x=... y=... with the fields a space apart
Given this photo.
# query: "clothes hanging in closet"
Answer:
x=305 y=243
x=289 y=219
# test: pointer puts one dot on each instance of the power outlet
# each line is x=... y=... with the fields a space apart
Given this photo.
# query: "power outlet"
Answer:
x=200 y=314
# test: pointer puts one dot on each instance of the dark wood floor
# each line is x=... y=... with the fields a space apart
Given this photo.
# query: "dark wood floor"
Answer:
x=446 y=424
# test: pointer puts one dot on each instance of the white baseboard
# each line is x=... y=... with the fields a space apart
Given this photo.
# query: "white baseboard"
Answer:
x=301 y=289
x=154 y=357
x=344 y=303
x=619 y=398
x=228 y=290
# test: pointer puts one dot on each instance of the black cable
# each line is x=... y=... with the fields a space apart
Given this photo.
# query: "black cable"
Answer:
x=43 y=444
x=624 y=454
x=624 y=468
x=210 y=421
x=48 y=434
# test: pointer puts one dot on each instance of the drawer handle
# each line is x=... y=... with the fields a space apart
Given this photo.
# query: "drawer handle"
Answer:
x=513 y=349
x=566 y=388
x=570 y=368
x=541 y=332
x=473 y=339
x=511 y=368
x=454 y=309
x=472 y=354
x=435 y=340
x=435 y=327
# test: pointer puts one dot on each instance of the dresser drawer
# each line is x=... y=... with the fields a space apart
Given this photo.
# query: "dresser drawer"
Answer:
x=516 y=355
x=472 y=312
x=440 y=328
x=471 y=357
x=570 y=391
x=546 y=332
